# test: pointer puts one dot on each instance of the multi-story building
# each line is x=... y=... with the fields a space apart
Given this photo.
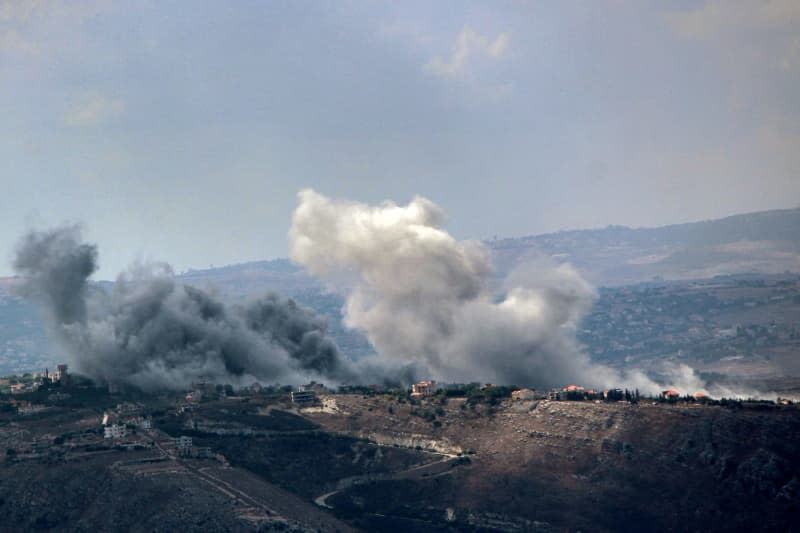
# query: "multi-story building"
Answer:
x=304 y=397
x=115 y=431
x=423 y=388
x=183 y=445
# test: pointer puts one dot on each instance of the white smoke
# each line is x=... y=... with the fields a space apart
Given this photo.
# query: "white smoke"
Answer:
x=425 y=299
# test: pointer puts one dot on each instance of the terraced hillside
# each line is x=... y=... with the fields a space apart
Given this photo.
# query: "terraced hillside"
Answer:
x=387 y=462
x=581 y=466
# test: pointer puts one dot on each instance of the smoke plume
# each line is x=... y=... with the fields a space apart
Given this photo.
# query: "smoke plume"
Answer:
x=430 y=301
x=153 y=333
x=423 y=297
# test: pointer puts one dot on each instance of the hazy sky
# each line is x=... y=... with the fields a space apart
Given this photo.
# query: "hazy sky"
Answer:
x=182 y=131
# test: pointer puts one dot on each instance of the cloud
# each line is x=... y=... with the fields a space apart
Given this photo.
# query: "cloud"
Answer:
x=94 y=109
x=469 y=45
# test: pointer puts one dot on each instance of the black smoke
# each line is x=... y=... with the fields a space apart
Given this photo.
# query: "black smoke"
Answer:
x=153 y=333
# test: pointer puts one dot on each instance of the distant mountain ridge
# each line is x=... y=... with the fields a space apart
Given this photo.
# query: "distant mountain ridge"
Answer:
x=761 y=243
x=765 y=242
x=778 y=224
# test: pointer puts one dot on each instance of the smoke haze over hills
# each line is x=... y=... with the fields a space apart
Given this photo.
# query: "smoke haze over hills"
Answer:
x=430 y=305
x=153 y=333
x=422 y=296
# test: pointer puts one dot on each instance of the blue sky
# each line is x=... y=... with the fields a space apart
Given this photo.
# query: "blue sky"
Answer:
x=182 y=131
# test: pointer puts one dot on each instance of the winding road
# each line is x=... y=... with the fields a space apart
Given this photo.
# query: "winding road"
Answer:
x=426 y=470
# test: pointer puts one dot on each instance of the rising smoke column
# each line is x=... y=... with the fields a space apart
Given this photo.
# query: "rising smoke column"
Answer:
x=153 y=333
x=423 y=297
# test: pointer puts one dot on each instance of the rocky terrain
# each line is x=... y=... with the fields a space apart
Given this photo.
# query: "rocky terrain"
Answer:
x=542 y=465
x=765 y=242
x=380 y=461
x=388 y=462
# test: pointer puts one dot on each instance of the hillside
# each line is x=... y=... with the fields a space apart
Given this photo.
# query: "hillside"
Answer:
x=389 y=462
x=567 y=466
x=766 y=242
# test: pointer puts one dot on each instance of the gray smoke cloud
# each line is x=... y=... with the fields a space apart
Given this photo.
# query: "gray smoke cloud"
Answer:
x=422 y=296
x=425 y=298
x=154 y=333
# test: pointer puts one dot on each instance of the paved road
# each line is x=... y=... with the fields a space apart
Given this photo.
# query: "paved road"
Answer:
x=425 y=470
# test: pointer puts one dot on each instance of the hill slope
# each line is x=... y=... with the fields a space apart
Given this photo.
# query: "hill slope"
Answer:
x=763 y=242
x=567 y=466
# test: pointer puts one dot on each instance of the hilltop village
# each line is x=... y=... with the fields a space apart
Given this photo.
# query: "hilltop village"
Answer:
x=125 y=418
x=311 y=458
x=34 y=393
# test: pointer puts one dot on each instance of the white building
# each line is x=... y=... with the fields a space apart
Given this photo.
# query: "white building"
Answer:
x=114 y=431
x=423 y=388
x=183 y=445
x=139 y=421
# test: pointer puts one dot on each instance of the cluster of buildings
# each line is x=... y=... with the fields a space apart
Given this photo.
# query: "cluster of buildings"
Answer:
x=200 y=390
x=578 y=393
x=117 y=422
x=712 y=319
x=59 y=376
x=672 y=394
x=115 y=431
x=32 y=382
x=185 y=448
x=20 y=388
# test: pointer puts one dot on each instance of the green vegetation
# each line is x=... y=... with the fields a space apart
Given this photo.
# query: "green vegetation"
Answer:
x=475 y=393
x=426 y=415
